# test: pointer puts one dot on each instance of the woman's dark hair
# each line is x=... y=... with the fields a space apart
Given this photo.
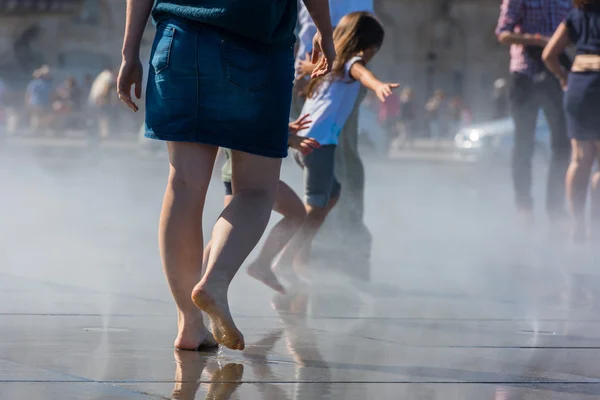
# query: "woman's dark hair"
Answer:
x=583 y=4
x=356 y=32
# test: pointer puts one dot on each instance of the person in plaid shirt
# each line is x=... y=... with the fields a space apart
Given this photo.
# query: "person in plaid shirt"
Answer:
x=526 y=25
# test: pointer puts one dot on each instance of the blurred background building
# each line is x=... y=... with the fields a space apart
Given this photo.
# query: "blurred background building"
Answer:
x=430 y=45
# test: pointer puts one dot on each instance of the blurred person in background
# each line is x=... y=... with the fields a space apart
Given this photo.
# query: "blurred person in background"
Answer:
x=459 y=114
x=389 y=117
x=436 y=110
x=68 y=100
x=500 y=104
x=88 y=81
x=582 y=97
x=3 y=102
x=102 y=100
x=408 y=115
x=38 y=99
x=526 y=26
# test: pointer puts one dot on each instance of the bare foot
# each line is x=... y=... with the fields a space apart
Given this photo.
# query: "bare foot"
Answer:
x=193 y=335
x=225 y=381
x=265 y=275
x=213 y=301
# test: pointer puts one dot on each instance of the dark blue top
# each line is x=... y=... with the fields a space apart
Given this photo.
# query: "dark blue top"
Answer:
x=584 y=29
x=267 y=21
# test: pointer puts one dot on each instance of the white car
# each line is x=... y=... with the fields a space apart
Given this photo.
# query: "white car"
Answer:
x=496 y=138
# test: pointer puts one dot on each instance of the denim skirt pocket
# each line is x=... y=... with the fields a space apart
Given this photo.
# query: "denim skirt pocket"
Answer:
x=247 y=66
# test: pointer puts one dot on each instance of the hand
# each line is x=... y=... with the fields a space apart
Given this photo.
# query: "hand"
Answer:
x=384 y=90
x=541 y=41
x=322 y=46
x=305 y=67
x=303 y=144
x=131 y=74
x=299 y=125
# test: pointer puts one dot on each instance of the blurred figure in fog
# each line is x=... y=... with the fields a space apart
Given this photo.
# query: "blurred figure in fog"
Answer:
x=88 y=81
x=389 y=117
x=527 y=29
x=459 y=114
x=408 y=115
x=68 y=99
x=38 y=99
x=3 y=100
x=437 y=115
x=500 y=99
x=582 y=96
x=102 y=100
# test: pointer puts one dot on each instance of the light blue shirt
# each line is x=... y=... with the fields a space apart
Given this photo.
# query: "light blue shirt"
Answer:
x=330 y=106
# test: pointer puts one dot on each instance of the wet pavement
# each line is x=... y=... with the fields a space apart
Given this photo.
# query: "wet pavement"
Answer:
x=464 y=303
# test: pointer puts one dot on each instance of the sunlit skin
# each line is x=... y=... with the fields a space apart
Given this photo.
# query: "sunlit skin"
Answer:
x=240 y=225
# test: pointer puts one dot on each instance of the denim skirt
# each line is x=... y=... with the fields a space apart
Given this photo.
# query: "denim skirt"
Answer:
x=209 y=86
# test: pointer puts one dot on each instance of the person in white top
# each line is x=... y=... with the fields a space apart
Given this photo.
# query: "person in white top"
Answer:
x=330 y=101
x=101 y=98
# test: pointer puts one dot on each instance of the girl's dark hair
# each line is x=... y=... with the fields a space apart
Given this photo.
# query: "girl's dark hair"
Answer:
x=583 y=4
x=356 y=32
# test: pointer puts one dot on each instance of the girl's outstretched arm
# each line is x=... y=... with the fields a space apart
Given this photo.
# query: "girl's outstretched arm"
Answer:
x=383 y=90
x=131 y=72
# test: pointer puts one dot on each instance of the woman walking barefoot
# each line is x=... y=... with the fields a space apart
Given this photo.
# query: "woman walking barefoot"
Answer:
x=202 y=96
x=582 y=96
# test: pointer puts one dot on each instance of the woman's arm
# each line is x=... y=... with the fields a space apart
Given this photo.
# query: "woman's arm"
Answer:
x=131 y=73
x=359 y=72
x=138 y=12
x=323 y=41
x=551 y=55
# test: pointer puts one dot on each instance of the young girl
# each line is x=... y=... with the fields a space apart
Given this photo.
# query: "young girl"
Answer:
x=287 y=203
x=330 y=101
x=582 y=96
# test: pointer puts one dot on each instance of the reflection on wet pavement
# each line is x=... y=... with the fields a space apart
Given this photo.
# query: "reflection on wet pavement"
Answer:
x=465 y=306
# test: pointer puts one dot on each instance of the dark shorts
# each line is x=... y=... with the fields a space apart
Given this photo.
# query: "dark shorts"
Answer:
x=581 y=105
x=320 y=183
x=228 y=188
x=208 y=86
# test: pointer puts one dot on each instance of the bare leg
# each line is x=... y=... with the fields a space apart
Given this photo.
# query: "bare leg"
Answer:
x=298 y=249
x=302 y=258
x=208 y=246
x=288 y=204
x=578 y=177
x=180 y=235
x=235 y=234
x=595 y=199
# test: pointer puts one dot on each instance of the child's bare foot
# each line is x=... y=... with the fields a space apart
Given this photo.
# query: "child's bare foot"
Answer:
x=213 y=301
x=225 y=381
x=192 y=334
x=264 y=274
